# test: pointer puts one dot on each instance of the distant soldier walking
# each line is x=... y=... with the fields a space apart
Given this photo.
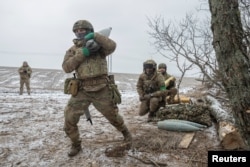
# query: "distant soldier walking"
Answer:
x=92 y=84
x=25 y=74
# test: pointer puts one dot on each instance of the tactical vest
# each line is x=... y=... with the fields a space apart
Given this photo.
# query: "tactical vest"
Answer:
x=25 y=75
x=92 y=66
x=150 y=85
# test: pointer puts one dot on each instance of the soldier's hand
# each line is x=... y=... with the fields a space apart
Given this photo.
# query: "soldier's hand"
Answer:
x=85 y=52
x=25 y=71
x=147 y=96
x=171 y=83
x=92 y=46
x=89 y=36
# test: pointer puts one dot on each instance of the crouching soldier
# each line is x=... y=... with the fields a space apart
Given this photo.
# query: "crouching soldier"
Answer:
x=25 y=74
x=151 y=89
x=169 y=81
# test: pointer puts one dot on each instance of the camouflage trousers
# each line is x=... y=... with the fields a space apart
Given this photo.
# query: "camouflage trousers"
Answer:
x=151 y=105
x=101 y=100
x=27 y=84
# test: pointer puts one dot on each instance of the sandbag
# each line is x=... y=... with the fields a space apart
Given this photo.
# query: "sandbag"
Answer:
x=190 y=112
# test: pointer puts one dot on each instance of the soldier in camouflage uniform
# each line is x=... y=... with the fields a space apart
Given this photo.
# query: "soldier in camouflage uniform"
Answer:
x=151 y=89
x=169 y=83
x=25 y=74
x=90 y=66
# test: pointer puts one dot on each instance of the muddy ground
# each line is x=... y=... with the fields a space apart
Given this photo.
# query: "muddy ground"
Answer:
x=31 y=128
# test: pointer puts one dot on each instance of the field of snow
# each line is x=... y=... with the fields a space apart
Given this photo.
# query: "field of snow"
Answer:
x=31 y=128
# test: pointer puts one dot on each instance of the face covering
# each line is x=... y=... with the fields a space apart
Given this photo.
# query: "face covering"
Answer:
x=81 y=35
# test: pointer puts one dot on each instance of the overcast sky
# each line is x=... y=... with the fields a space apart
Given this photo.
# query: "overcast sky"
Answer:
x=40 y=31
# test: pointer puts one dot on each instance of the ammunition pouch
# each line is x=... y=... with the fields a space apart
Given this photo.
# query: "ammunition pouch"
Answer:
x=71 y=86
x=115 y=93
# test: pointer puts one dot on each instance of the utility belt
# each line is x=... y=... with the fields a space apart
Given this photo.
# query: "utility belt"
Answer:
x=74 y=85
x=93 y=81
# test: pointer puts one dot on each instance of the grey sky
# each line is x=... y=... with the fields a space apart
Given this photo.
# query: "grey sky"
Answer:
x=41 y=31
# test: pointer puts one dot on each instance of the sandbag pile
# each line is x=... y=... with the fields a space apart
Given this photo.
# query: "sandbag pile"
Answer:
x=189 y=112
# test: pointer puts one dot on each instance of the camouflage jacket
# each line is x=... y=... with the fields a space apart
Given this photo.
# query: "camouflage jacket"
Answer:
x=149 y=85
x=166 y=76
x=95 y=64
x=25 y=72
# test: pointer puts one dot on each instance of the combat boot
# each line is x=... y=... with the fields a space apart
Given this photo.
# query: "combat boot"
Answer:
x=127 y=135
x=127 y=139
x=151 y=116
x=75 y=148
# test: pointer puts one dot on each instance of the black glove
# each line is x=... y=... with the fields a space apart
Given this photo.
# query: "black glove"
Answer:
x=171 y=84
x=25 y=71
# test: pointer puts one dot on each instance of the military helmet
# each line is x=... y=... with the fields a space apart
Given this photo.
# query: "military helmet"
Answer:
x=83 y=24
x=25 y=63
x=162 y=65
x=149 y=64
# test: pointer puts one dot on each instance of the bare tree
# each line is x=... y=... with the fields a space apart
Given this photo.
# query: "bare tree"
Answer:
x=191 y=40
x=229 y=42
x=189 y=43
x=244 y=6
x=222 y=55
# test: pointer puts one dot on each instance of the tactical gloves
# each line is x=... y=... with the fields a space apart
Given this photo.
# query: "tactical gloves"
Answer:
x=91 y=46
x=85 y=52
x=89 y=36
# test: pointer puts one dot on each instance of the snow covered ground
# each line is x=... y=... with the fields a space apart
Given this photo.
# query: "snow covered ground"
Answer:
x=31 y=128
